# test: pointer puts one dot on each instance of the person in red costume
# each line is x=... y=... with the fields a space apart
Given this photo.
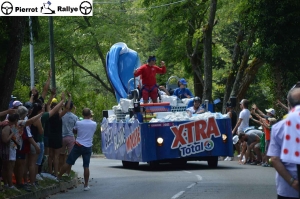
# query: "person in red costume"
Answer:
x=148 y=72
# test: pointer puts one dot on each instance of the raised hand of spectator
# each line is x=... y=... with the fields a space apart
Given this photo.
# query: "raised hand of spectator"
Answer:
x=50 y=74
x=63 y=96
x=254 y=106
x=53 y=91
x=34 y=91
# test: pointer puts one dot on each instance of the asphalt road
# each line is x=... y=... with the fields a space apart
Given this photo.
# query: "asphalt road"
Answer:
x=109 y=180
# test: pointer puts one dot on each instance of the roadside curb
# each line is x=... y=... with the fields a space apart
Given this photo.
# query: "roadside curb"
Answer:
x=98 y=156
x=47 y=191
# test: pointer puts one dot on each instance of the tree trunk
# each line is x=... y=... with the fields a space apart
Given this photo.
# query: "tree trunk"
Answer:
x=207 y=93
x=16 y=27
x=248 y=77
x=234 y=67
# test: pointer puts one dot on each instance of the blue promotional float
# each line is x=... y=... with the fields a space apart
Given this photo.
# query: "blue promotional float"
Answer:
x=137 y=136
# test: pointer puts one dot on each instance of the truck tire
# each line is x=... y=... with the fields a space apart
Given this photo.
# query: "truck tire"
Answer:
x=212 y=161
x=130 y=165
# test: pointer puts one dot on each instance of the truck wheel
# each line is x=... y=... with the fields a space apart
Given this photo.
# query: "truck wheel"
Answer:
x=212 y=161
x=130 y=165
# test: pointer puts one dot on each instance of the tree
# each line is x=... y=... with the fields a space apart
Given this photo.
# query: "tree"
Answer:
x=12 y=34
x=207 y=93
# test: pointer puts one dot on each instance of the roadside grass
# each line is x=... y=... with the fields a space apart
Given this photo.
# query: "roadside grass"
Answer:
x=9 y=193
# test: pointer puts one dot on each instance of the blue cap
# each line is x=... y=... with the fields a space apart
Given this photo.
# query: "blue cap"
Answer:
x=182 y=81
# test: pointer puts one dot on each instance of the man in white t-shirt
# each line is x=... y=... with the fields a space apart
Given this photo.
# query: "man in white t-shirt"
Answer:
x=85 y=130
x=244 y=117
x=242 y=124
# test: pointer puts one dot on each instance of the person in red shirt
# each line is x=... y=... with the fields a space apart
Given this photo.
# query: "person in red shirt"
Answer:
x=148 y=72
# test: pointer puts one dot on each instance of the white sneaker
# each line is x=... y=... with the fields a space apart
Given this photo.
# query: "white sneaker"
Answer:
x=14 y=188
x=226 y=159
x=38 y=177
x=229 y=158
x=239 y=155
x=86 y=188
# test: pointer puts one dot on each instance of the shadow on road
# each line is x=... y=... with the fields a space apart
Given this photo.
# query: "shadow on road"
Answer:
x=173 y=167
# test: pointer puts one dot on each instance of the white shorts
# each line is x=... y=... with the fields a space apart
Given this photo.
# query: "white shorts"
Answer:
x=12 y=154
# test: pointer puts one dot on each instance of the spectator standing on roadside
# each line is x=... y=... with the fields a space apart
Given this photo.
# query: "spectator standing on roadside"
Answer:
x=263 y=118
x=233 y=117
x=287 y=182
x=55 y=136
x=68 y=123
x=85 y=130
x=243 y=122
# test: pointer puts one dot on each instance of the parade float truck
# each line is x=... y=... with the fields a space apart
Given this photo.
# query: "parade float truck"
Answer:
x=157 y=132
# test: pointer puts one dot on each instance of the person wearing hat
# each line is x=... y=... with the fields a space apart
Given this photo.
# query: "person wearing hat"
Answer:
x=148 y=72
x=263 y=119
x=196 y=108
x=16 y=104
x=183 y=92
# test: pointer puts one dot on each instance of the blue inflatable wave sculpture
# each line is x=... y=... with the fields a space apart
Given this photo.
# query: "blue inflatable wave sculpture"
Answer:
x=121 y=62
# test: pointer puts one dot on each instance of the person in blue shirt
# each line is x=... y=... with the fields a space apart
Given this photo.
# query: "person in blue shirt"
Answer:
x=182 y=92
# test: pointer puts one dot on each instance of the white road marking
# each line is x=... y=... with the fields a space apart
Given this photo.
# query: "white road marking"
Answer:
x=191 y=186
x=199 y=177
x=177 y=195
x=187 y=171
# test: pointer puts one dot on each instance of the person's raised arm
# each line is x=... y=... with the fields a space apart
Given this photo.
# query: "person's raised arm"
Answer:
x=53 y=93
x=164 y=89
x=33 y=119
x=279 y=103
x=67 y=108
x=259 y=111
x=47 y=84
x=33 y=94
x=58 y=106
x=9 y=111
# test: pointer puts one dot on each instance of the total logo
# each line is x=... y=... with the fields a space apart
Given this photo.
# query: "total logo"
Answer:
x=54 y=7
x=195 y=137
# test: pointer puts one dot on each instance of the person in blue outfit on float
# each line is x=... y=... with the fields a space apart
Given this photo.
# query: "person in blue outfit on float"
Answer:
x=182 y=92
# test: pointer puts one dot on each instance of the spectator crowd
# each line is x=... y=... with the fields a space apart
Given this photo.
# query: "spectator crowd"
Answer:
x=36 y=133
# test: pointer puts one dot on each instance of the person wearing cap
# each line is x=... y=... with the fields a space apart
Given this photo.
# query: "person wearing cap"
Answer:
x=148 y=72
x=55 y=140
x=182 y=92
x=196 y=108
x=85 y=130
x=233 y=117
x=263 y=119
x=16 y=104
